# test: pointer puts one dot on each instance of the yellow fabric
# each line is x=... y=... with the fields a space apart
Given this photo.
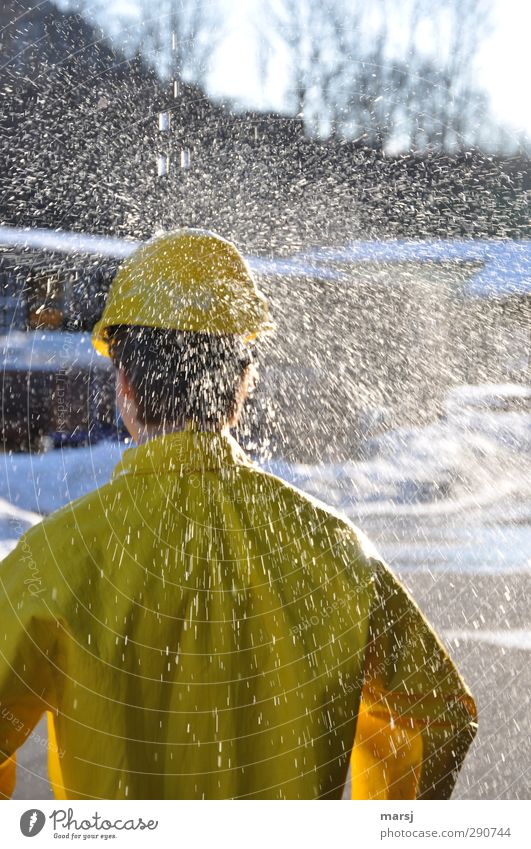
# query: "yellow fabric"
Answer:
x=386 y=758
x=8 y=777
x=416 y=720
x=188 y=280
x=197 y=628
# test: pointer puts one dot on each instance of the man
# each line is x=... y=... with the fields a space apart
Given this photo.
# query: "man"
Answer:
x=202 y=629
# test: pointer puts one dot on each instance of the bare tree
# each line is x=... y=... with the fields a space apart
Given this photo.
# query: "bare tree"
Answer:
x=89 y=9
x=336 y=54
x=319 y=41
x=181 y=36
x=350 y=75
x=295 y=26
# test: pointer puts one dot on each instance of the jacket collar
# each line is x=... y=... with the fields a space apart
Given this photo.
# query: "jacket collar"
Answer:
x=181 y=451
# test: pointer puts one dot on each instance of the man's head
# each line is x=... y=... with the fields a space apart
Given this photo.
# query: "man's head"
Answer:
x=177 y=325
x=167 y=379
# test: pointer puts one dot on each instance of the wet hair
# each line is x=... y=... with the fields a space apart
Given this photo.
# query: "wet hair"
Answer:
x=179 y=377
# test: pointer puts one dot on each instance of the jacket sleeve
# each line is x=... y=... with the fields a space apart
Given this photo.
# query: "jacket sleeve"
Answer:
x=417 y=718
x=27 y=635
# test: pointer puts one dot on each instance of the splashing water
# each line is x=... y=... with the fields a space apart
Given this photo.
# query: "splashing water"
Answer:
x=395 y=388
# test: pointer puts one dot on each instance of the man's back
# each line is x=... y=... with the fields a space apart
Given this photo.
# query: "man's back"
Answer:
x=197 y=628
x=204 y=611
x=202 y=632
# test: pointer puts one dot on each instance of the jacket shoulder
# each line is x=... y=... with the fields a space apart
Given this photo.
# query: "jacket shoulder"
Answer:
x=72 y=518
x=322 y=518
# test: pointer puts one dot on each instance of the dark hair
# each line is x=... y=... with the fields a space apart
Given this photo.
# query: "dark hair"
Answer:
x=180 y=376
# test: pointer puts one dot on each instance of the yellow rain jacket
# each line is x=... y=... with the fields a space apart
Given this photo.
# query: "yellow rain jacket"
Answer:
x=196 y=628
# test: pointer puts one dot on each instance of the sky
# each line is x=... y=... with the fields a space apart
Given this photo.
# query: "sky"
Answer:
x=503 y=66
x=505 y=63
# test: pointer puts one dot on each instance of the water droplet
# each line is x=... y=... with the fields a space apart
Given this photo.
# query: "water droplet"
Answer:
x=164 y=122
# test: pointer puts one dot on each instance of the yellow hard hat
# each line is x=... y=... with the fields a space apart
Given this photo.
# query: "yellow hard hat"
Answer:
x=186 y=279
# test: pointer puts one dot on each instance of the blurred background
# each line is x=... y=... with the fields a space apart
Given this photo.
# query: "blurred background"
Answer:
x=372 y=160
x=290 y=127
